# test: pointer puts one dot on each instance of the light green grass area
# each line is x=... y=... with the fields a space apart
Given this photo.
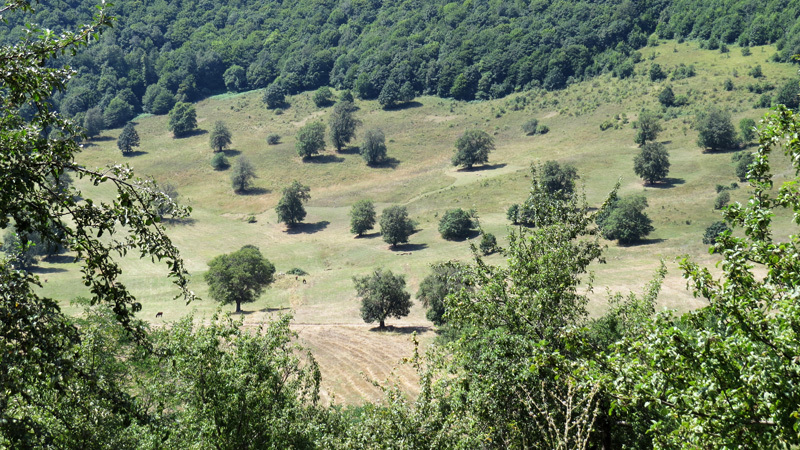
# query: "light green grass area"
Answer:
x=421 y=140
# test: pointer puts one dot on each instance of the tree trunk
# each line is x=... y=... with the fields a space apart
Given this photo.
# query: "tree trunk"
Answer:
x=238 y=307
x=382 y=326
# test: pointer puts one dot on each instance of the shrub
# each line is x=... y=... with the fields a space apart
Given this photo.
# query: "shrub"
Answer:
x=219 y=162
x=713 y=231
x=722 y=200
x=728 y=84
x=544 y=129
x=746 y=51
x=296 y=271
x=530 y=127
x=273 y=138
x=456 y=224
x=488 y=244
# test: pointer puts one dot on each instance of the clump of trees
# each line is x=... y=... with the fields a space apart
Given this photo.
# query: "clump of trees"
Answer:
x=383 y=295
x=182 y=119
x=457 y=224
x=239 y=277
x=472 y=148
x=274 y=96
x=290 y=207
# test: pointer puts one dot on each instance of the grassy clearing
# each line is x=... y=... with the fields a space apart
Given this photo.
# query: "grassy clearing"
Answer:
x=420 y=141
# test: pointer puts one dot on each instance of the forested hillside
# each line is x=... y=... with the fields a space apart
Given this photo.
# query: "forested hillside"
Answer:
x=161 y=52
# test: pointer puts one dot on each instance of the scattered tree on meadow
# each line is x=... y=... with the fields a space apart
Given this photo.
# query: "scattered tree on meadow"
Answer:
x=274 y=96
x=182 y=119
x=531 y=126
x=741 y=163
x=488 y=244
x=165 y=205
x=93 y=121
x=396 y=227
x=219 y=161
x=624 y=220
x=472 y=148
x=242 y=174
x=383 y=295
x=656 y=73
x=714 y=231
x=273 y=138
x=342 y=125
x=647 y=127
x=457 y=224
x=373 y=149
x=558 y=179
x=128 y=139
x=442 y=281
x=290 y=207
x=239 y=277
x=310 y=139
x=323 y=97
x=220 y=136
x=652 y=162
x=747 y=130
x=666 y=97
x=346 y=96
x=722 y=200
x=362 y=217
x=789 y=94
x=715 y=130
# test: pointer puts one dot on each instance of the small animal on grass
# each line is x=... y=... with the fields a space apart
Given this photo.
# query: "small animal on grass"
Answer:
x=159 y=314
x=304 y=281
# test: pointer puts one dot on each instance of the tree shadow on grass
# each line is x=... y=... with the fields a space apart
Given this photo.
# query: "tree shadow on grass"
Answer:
x=350 y=150
x=308 y=228
x=192 y=133
x=387 y=163
x=471 y=235
x=60 y=259
x=134 y=153
x=269 y=310
x=642 y=242
x=408 y=248
x=369 y=235
x=230 y=152
x=324 y=159
x=254 y=191
x=187 y=221
x=666 y=183
x=403 y=330
x=43 y=270
x=101 y=139
x=404 y=105
x=483 y=167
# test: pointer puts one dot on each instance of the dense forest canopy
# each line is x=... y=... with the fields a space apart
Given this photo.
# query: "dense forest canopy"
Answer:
x=161 y=52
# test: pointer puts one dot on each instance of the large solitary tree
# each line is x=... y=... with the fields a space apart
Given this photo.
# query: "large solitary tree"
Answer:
x=383 y=295
x=373 y=149
x=290 y=207
x=128 y=139
x=242 y=174
x=362 y=217
x=652 y=162
x=396 y=227
x=182 y=119
x=715 y=130
x=472 y=148
x=310 y=139
x=220 y=136
x=647 y=127
x=624 y=220
x=342 y=125
x=239 y=277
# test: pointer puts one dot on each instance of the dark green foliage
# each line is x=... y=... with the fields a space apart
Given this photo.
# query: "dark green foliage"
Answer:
x=235 y=78
x=93 y=121
x=158 y=100
x=128 y=139
x=472 y=148
x=530 y=127
x=396 y=227
x=713 y=231
x=346 y=96
x=741 y=162
x=373 y=149
x=656 y=74
x=362 y=217
x=310 y=139
x=765 y=101
x=323 y=97
x=683 y=71
x=625 y=221
x=165 y=204
x=442 y=281
x=728 y=84
x=557 y=179
x=182 y=119
x=242 y=174
x=544 y=129
x=722 y=200
x=219 y=161
x=512 y=214
x=383 y=295
x=220 y=136
x=239 y=277
x=274 y=96
x=390 y=95
x=647 y=127
x=296 y=271
x=488 y=243
x=747 y=129
x=117 y=113
x=715 y=130
x=342 y=125
x=273 y=138
x=457 y=224
x=789 y=94
x=756 y=72
x=290 y=207
x=652 y=162
x=667 y=97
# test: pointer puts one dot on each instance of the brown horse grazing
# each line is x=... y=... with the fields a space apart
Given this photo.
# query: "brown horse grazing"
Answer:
x=159 y=314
